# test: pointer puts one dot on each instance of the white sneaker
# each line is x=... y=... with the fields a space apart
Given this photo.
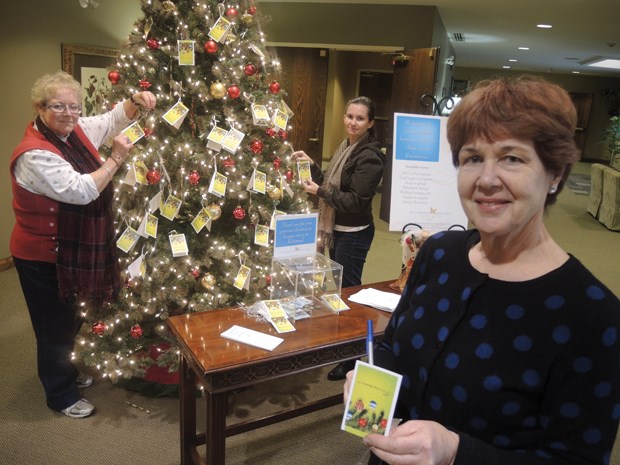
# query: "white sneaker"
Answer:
x=81 y=409
x=83 y=381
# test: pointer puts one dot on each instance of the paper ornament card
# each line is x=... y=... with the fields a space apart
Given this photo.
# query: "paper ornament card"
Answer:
x=372 y=400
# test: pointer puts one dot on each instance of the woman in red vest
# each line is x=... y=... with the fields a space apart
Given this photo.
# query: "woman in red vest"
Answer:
x=62 y=240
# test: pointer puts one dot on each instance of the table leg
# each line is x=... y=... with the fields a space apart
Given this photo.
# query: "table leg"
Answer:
x=217 y=407
x=187 y=401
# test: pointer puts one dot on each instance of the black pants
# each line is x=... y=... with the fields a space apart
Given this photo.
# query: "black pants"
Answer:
x=55 y=327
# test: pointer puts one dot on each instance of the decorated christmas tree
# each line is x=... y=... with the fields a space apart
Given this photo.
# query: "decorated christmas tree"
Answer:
x=209 y=171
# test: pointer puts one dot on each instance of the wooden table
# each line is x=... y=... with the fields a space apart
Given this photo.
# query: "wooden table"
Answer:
x=222 y=365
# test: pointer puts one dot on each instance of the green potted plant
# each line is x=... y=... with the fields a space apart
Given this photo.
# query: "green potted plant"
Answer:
x=612 y=139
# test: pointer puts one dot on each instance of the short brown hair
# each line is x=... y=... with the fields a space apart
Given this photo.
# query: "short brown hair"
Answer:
x=526 y=108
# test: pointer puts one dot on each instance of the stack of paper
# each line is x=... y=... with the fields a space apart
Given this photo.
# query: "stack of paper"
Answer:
x=386 y=301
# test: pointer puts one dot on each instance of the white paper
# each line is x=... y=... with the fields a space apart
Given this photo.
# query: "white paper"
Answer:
x=251 y=337
x=381 y=300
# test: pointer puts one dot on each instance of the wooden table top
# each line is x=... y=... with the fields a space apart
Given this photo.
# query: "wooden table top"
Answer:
x=199 y=333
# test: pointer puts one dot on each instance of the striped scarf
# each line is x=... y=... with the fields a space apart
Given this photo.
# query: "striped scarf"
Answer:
x=86 y=267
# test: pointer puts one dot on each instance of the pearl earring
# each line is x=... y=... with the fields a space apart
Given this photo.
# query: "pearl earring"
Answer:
x=552 y=189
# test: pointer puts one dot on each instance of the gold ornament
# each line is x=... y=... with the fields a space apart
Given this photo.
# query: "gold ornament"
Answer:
x=214 y=211
x=247 y=18
x=217 y=90
x=274 y=193
x=168 y=6
x=208 y=281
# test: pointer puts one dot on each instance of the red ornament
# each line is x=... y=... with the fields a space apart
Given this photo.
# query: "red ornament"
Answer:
x=232 y=12
x=114 y=77
x=249 y=70
x=144 y=84
x=256 y=146
x=276 y=162
x=194 y=178
x=289 y=176
x=136 y=331
x=211 y=46
x=228 y=162
x=239 y=213
x=270 y=132
x=148 y=132
x=252 y=10
x=98 y=328
x=268 y=280
x=195 y=273
x=153 y=176
x=274 y=87
x=153 y=44
x=282 y=134
x=233 y=91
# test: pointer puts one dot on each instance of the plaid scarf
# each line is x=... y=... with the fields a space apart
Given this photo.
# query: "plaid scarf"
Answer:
x=87 y=267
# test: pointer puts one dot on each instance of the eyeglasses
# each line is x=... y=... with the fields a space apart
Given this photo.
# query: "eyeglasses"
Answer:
x=61 y=108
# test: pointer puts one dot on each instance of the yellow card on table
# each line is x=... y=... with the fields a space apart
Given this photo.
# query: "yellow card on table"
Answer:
x=171 y=208
x=134 y=132
x=335 y=302
x=371 y=400
x=277 y=316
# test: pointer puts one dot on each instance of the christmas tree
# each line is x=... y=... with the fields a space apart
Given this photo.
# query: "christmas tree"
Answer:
x=210 y=169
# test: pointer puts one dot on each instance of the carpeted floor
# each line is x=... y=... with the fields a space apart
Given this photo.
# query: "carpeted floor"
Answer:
x=579 y=183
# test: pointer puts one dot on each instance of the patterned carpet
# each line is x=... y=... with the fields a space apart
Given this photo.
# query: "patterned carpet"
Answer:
x=579 y=183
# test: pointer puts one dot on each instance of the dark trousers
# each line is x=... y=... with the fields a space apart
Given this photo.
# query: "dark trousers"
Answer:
x=55 y=327
x=350 y=250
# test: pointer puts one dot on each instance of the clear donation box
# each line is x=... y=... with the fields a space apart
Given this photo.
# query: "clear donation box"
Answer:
x=307 y=286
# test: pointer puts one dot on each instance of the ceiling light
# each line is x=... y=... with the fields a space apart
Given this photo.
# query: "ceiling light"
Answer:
x=602 y=62
x=544 y=26
x=506 y=67
x=514 y=60
x=523 y=48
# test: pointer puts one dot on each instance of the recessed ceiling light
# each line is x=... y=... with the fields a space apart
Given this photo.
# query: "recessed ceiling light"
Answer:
x=576 y=72
x=514 y=60
x=544 y=26
x=523 y=48
x=506 y=67
x=602 y=62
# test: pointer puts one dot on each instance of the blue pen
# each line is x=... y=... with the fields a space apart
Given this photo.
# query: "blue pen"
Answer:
x=369 y=342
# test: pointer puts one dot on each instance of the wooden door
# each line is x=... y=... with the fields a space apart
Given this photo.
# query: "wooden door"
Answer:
x=304 y=78
x=412 y=79
x=583 y=105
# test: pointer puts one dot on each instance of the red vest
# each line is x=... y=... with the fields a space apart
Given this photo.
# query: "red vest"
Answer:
x=36 y=216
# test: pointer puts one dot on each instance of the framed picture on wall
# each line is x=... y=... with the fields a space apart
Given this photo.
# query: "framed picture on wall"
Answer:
x=88 y=65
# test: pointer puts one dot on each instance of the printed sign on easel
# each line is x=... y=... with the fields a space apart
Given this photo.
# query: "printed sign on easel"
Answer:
x=423 y=176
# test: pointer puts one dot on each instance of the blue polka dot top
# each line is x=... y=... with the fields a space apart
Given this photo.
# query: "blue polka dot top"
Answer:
x=525 y=372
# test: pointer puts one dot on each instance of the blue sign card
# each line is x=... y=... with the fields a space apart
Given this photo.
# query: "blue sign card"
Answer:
x=417 y=138
x=295 y=235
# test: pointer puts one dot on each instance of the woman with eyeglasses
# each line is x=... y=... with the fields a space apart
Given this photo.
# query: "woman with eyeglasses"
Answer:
x=62 y=242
